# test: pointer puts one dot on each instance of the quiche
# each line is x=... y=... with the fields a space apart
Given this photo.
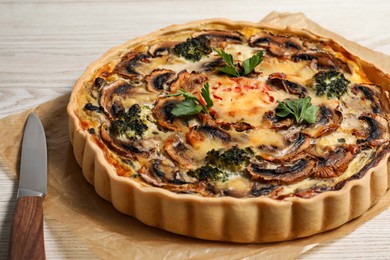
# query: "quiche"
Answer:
x=233 y=131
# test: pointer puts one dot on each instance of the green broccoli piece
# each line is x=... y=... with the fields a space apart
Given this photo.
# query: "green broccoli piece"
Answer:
x=233 y=159
x=193 y=48
x=331 y=83
x=208 y=172
x=223 y=163
x=129 y=124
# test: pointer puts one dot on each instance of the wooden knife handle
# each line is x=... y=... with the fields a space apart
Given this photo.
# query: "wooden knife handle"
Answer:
x=27 y=230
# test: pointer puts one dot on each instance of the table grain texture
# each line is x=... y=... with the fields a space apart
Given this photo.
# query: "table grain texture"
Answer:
x=46 y=45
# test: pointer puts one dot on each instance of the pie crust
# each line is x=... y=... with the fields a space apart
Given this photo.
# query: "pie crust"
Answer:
x=243 y=220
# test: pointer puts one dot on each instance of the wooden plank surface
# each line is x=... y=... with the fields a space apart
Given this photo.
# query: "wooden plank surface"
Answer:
x=46 y=45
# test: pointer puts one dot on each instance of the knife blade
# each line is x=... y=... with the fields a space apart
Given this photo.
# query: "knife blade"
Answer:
x=27 y=228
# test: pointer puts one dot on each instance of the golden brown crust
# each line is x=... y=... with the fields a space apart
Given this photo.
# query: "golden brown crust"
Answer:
x=226 y=218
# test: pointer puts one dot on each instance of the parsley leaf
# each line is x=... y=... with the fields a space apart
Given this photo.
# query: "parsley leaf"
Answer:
x=186 y=108
x=300 y=108
x=251 y=63
x=310 y=114
x=191 y=105
x=248 y=65
x=230 y=68
x=205 y=92
x=228 y=58
x=187 y=95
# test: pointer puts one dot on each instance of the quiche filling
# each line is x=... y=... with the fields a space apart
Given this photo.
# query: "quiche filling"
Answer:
x=245 y=113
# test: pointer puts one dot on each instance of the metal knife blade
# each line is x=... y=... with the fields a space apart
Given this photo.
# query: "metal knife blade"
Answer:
x=33 y=165
x=27 y=238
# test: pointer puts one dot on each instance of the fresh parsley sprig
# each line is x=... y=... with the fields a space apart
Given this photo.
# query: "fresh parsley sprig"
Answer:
x=300 y=108
x=230 y=68
x=191 y=105
x=248 y=65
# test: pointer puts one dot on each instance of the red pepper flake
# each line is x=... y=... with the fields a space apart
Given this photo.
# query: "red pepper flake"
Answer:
x=237 y=80
x=212 y=112
x=201 y=99
x=266 y=87
x=271 y=99
x=237 y=89
x=216 y=97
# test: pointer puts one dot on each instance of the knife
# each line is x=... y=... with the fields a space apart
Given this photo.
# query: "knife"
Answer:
x=27 y=229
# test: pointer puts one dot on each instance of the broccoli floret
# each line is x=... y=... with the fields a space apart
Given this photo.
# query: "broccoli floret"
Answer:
x=208 y=172
x=193 y=48
x=331 y=83
x=223 y=163
x=129 y=124
x=233 y=159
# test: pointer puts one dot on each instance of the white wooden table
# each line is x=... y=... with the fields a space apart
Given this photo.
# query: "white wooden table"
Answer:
x=46 y=45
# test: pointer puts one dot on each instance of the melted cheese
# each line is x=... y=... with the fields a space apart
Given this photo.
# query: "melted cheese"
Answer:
x=241 y=52
x=333 y=140
x=202 y=148
x=299 y=72
x=241 y=99
x=236 y=185
x=264 y=136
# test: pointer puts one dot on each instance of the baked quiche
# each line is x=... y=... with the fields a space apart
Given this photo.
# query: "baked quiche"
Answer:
x=233 y=131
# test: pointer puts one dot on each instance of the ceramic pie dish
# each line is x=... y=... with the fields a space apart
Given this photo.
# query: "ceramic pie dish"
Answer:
x=232 y=131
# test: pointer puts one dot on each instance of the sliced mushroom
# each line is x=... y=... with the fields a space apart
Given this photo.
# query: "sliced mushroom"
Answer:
x=278 y=80
x=202 y=133
x=91 y=107
x=213 y=65
x=322 y=60
x=328 y=121
x=98 y=84
x=309 y=193
x=161 y=48
x=277 y=45
x=162 y=173
x=162 y=113
x=272 y=121
x=128 y=65
x=263 y=189
x=335 y=164
x=168 y=171
x=377 y=132
x=127 y=148
x=280 y=173
x=374 y=94
x=242 y=126
x=295 y=149
x=218 y=37
x=111 y=95
x=189 y=82
x=378 y=155
x=110 y=142
x=180 y=152
x=159 y=79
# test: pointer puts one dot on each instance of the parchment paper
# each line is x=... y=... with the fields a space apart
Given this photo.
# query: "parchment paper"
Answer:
x=109 y=234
